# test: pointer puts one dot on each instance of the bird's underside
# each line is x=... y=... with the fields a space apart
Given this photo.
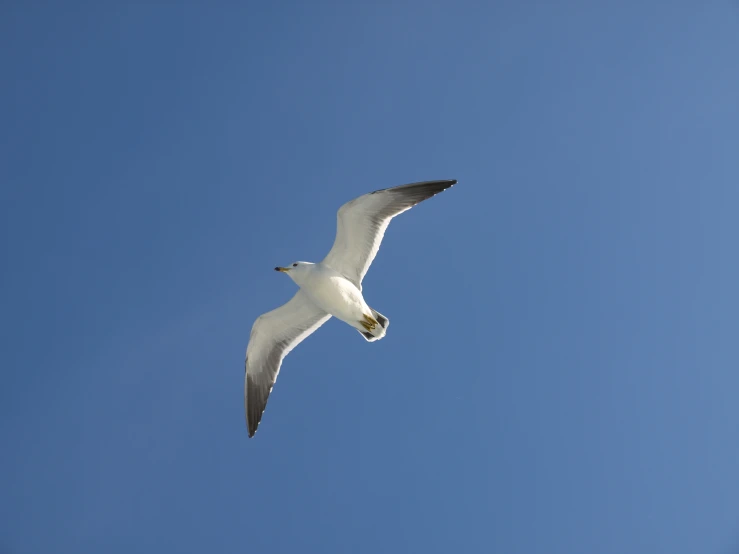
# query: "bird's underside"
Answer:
x=361 y=225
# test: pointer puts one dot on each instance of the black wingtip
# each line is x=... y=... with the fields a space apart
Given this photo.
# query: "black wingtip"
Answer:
x=255 y=405
x=251 y=426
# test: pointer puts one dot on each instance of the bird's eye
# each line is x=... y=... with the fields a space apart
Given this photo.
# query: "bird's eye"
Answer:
x=295 y=265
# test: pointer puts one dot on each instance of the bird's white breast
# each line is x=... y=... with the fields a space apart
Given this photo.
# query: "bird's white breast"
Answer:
x=334 y=293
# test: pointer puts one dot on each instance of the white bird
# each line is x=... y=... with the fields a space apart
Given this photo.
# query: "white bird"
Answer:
x=332 y=287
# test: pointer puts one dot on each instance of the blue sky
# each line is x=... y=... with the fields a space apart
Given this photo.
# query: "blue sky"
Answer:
x=561 y=371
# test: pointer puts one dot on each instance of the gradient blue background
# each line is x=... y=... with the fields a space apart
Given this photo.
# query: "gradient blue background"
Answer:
x=562 y=368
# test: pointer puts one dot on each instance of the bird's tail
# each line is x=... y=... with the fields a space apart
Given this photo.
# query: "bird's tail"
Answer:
x=376 y=332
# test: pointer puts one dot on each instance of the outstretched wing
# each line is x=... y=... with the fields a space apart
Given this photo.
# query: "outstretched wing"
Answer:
x=273 y=336
x=362 y=223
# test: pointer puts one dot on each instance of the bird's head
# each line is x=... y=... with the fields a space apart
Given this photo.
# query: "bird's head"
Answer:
x=295 y=270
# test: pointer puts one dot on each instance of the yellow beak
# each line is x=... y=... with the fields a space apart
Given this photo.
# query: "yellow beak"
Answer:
x=283 y=269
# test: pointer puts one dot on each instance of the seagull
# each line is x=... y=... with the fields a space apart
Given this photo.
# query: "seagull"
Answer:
x=332 y=287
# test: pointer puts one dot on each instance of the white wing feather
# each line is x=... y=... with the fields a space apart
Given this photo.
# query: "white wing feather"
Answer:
x=273 y=336
x=361 y=225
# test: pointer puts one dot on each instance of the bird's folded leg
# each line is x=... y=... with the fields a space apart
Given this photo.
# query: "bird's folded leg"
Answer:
x=370 y=321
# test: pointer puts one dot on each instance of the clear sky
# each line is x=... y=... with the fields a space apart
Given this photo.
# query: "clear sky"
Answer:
x=562 y=369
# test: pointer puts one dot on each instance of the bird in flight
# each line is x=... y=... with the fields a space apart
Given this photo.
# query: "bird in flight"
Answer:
x=332 y=287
